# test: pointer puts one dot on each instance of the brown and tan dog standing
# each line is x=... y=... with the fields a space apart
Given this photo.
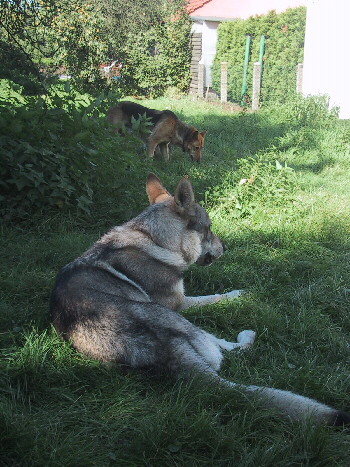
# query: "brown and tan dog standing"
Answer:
x=166 y=128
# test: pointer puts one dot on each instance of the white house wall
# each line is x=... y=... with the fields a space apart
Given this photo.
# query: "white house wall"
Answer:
x=327 y=52
x=197 y=26
x=209 y=40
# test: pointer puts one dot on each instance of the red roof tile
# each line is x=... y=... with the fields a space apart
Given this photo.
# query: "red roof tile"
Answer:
x=193 y=5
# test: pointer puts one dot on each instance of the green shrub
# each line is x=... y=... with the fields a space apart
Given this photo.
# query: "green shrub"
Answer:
x=58 y=151
x=284 y=47
x=52 y=35
x=159 y=58
x=312 y=111
x=49 y=150
x=40 y=166
x=304 y=120
x=16 y=66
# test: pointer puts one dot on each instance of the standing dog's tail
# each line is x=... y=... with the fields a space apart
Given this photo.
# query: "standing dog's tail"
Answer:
x=293 y=405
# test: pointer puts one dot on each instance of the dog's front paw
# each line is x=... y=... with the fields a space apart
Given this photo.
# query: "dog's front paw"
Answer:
x=234 y=294
x=246 y=338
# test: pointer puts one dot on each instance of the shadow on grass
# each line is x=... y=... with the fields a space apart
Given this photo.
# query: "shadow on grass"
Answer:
x=55 y=398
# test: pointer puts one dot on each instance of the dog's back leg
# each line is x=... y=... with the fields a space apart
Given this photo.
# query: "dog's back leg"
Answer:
x=192 y=356
x=118 y=118
x=188 y=361
x=191 y=361
x=149 y=335
x=245 y=339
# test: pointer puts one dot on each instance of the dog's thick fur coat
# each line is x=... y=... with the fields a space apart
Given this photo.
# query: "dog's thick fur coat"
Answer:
x=166 y=128
x=119 y=301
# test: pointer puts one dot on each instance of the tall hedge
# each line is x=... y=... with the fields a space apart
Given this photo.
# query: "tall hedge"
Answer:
x=284 y=49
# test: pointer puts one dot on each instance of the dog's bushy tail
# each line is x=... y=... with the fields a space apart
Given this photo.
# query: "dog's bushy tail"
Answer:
x=293 y=405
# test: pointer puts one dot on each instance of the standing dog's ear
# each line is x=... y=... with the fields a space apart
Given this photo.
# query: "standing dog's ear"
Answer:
x=184 y=196
x=194 y=135
x=155 y=190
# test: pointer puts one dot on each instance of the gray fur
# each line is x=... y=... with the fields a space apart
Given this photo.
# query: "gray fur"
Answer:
x=119 y=301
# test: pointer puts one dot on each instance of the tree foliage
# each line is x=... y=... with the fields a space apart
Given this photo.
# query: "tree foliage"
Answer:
x=159 y=58
x=55 y=35
x=149 y=38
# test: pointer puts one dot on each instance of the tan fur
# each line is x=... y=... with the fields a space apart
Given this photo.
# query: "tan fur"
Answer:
x=167 y=128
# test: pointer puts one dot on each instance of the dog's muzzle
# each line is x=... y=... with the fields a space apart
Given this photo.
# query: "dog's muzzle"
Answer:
x=205 y=260
x=208 y=257
x=195 y=159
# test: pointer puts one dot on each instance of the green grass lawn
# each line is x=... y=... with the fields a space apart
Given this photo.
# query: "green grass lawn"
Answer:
x=288 y=235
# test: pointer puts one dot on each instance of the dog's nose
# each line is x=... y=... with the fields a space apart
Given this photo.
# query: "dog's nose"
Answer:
x=224 y=247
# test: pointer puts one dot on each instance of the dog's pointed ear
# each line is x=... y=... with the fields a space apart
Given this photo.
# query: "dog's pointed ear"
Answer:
x=184 y=196
x=155 y=191
x=194 y=135
x=203 y=133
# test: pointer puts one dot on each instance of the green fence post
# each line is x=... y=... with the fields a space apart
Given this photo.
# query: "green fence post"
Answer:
x=262 y=49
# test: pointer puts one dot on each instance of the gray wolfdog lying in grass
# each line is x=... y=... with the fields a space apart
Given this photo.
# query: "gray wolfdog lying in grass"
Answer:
x=166 y=128
x=119 y=301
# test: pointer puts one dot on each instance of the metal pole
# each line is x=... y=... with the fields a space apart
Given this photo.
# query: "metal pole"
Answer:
x=245 y=68
x=262 y=49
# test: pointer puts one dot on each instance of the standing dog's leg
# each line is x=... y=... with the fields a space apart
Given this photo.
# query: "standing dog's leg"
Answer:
x=151 y=146
x=164 y=149
x=208 y=299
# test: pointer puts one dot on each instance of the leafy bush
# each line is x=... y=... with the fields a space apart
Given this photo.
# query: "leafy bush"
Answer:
x=49 y=150
x=159 y=58
x=50 y=36
x=16 y=66
x=284 y=48
x=304 y=118
x=58 y=151
x=312 y=111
